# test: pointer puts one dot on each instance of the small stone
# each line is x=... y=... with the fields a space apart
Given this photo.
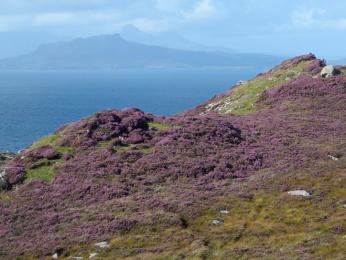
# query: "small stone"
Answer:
x=102 y=244
x=55 y=256
x=216 y=222
x=224 y=211
x=301 y=193
x=333 y=158
x=92 y=255
x=77 y=258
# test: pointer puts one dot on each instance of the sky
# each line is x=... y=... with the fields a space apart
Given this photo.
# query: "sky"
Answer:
x=281 y=27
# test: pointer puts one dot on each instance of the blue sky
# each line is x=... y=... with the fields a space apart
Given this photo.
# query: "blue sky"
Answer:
x=287 y=27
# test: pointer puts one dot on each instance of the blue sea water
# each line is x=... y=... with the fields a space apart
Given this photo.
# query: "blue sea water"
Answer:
x=35 y=103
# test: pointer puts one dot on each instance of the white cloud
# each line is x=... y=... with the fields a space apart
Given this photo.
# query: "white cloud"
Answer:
x=316 y=19
x=308 y=17
x=55 y=19
x=202 y=10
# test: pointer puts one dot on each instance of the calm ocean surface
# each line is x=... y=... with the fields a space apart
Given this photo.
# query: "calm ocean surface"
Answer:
x=34 y=104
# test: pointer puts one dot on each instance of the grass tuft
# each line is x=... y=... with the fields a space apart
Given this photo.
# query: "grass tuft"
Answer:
x=158 y=125
x=47 y=140
x=45 y=173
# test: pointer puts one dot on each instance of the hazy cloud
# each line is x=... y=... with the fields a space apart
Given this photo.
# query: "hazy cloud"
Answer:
x=202 y=10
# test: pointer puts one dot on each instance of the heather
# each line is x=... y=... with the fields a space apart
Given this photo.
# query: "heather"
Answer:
x=202 y=184
x=243 y=98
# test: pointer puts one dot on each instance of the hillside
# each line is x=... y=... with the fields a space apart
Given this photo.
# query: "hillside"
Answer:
x=113 y=52
x=258 y=172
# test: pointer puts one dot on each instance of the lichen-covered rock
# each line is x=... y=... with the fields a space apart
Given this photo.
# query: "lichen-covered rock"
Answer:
x=301 y=193
x=328 y=71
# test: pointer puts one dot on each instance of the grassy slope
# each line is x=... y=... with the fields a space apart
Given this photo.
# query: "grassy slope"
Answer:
x=242 y=99
x=263 y=221
x=265 y=224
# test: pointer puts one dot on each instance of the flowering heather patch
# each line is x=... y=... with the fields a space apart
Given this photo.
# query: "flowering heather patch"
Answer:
x=125 y=176
x=243 y=99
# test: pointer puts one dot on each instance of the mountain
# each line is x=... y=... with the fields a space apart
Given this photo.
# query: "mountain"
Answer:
x=112 y=52
x=171 y=40
x=255 y=173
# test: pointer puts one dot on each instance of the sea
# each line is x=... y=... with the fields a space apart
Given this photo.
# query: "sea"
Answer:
x=35 y=103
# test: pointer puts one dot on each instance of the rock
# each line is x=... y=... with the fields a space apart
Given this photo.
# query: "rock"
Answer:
x=328 y=71
x=3 y=182
x=77 y=258
x=333 y=158
x=224 y=211
x=55 y=256
x=216 y=222
x=241 y=82
x=102 y=244
x=5 y=157
x=301 y=193
x=92 y=255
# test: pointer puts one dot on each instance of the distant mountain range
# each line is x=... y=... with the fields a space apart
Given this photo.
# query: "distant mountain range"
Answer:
x=114 y=52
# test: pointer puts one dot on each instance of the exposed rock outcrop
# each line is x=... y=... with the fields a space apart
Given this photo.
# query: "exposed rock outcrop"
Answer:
x=328 y=71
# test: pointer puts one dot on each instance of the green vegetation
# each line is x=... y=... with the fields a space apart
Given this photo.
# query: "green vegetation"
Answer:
x=43 y=169
x=45 y=173
x=243 y=98
x=47 y=140
x=104 y=144
x=51 y=140
x=158 y=125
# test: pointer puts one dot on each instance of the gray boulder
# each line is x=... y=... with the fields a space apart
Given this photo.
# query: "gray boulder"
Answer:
x=328 y=71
